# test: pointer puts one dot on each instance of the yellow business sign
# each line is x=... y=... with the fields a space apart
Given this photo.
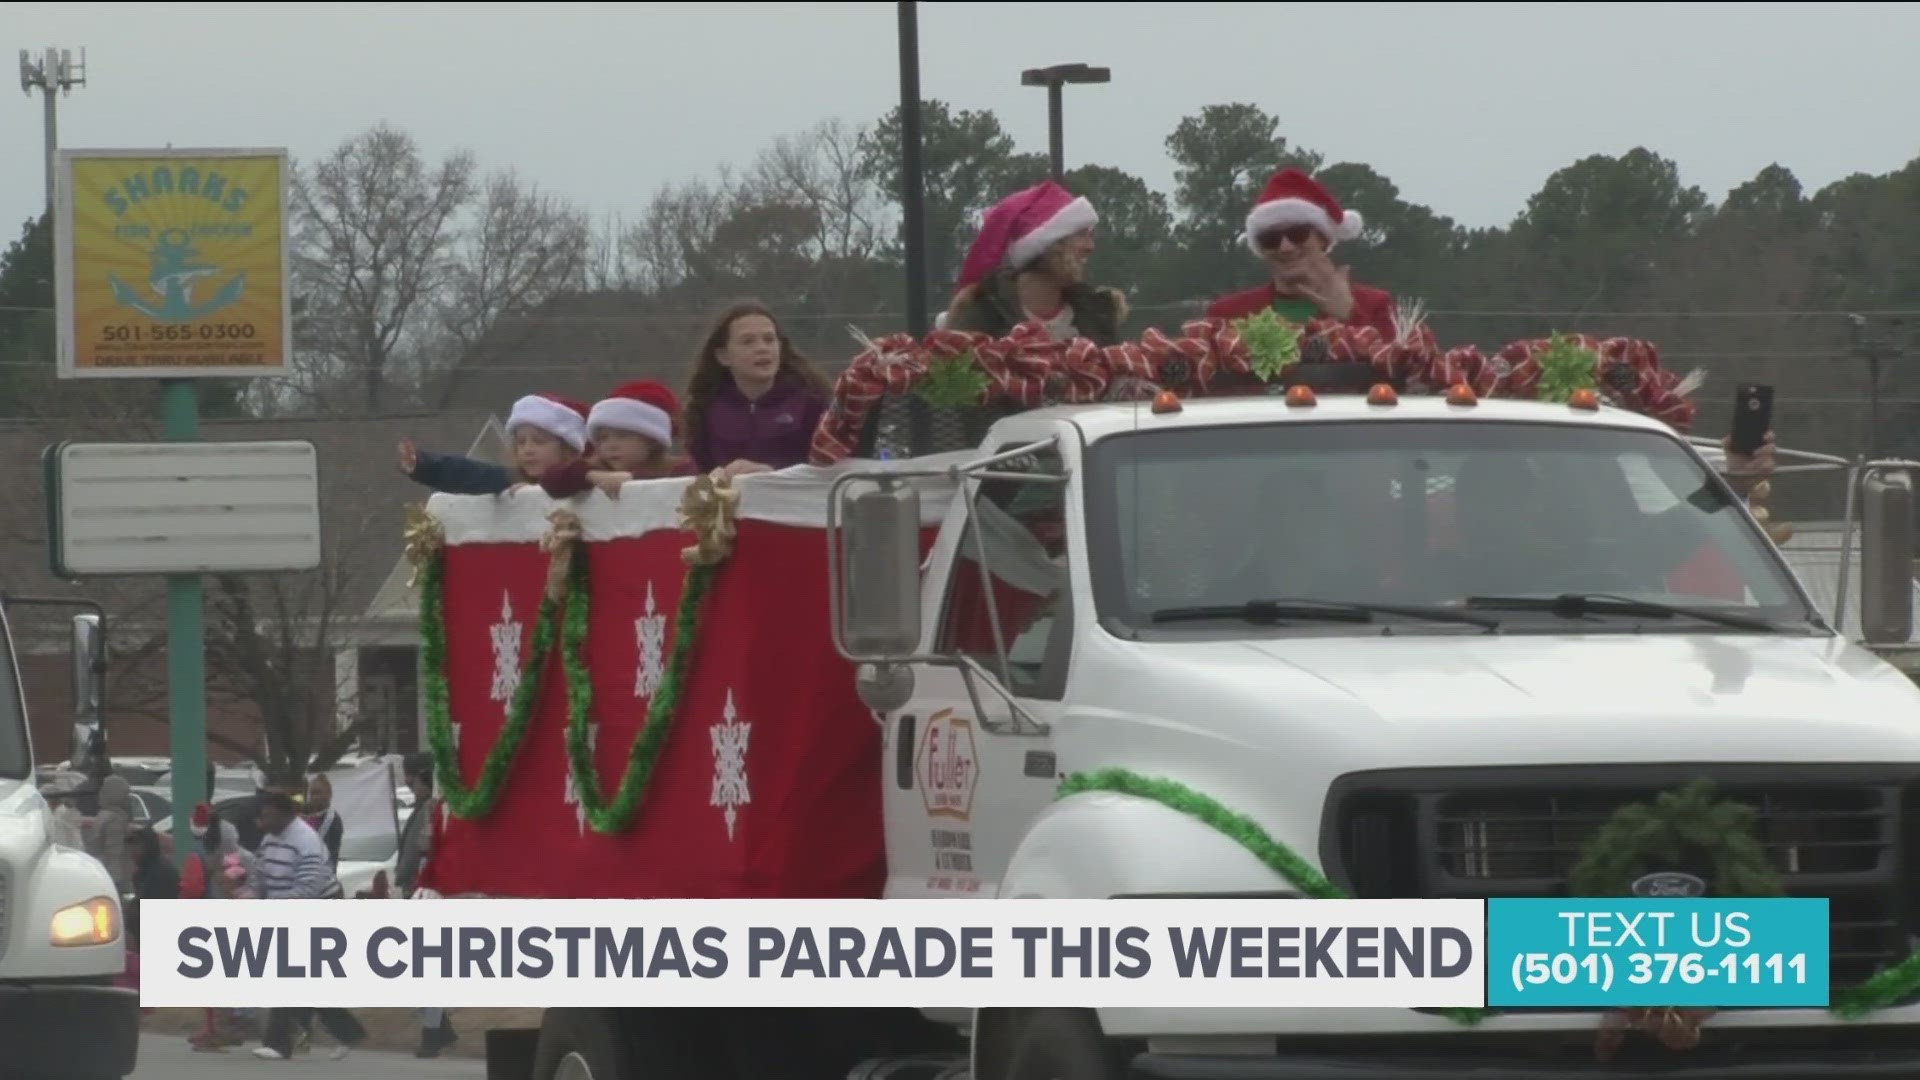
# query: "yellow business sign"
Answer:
x=172 y=264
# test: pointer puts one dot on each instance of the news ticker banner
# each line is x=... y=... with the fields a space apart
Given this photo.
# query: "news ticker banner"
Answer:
x=1436 y=954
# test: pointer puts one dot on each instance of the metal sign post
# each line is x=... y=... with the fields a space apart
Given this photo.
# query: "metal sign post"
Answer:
x=173 y=264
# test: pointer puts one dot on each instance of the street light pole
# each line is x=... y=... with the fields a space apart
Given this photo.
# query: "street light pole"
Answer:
x=913 y=196
x=1055 y=79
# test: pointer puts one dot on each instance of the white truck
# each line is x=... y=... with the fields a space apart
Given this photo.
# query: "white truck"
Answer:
x=62 y=935
x=1428 y=647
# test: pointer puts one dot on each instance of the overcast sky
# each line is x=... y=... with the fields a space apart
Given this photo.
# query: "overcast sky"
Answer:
x=1466 y=107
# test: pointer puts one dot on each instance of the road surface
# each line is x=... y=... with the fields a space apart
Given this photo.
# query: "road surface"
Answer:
x=165 y=1057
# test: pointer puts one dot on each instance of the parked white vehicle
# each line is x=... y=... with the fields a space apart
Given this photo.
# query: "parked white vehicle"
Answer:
x=62 y=938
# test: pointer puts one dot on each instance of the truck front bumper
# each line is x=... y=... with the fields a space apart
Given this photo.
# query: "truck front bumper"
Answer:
x=87 y=1030
x=1730 y=1064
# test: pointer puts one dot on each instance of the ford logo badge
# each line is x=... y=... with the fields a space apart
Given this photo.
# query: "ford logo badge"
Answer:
x=1670 y=883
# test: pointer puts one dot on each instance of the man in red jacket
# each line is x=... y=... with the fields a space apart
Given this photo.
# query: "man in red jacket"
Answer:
x=1291 y=229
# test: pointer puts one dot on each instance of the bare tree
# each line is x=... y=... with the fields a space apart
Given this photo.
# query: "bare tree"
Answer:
x=272 y=639
x=609 y=265
x=522 y=247
x=822 y=170
x=374 y=230
x=670 y=245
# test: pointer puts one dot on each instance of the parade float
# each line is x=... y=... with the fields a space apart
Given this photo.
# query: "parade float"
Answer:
x=664 y=694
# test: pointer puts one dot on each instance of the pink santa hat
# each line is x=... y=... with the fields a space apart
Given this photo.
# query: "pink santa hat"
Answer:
x=1292 y=198
x=1024 y=225
x=559 y=417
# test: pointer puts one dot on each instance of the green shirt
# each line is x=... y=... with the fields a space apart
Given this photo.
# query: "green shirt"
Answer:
x=1299 y=312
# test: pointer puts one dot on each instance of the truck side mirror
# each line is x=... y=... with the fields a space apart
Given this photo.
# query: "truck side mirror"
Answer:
x=877 y=598
x=88 y=649
x=89 y=664
x=881 y=588
x=1886 y=557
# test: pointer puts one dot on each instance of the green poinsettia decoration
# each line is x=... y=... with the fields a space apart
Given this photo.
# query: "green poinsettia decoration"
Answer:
x=1273 y=342
x=1565 y=367
x=954 y=380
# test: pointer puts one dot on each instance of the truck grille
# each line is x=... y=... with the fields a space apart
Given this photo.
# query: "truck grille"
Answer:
x=1840 y=832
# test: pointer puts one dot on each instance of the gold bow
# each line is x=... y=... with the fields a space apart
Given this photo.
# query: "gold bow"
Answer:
x=707 y=509
x=425 y=538
x=559 y=543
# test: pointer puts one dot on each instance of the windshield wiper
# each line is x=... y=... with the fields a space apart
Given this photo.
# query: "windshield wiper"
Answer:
x=1269 y=611
x=1578 y=605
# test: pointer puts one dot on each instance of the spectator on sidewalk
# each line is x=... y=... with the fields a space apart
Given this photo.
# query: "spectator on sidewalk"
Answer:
x=292 y=864
x=416 y=839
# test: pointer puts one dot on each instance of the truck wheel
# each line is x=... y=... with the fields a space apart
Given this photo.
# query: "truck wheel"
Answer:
x=620 y=1044
x=1064 y=1044
x=579 y=1044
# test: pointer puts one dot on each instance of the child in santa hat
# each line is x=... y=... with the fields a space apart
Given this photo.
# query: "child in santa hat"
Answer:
x=1029 y=262
x=548 y=432
x=633 y=432
x=1292 y=227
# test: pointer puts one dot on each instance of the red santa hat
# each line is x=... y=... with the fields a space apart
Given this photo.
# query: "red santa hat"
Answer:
x=1023 y=226
x=644 y=407
x=559 y=417
x=1292 y=198
x=202 y=817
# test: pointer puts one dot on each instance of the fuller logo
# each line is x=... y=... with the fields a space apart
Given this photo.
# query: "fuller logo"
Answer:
x=947 y=766
x=1669 y=884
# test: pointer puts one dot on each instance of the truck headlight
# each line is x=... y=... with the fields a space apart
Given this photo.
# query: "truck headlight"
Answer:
x=95 y=922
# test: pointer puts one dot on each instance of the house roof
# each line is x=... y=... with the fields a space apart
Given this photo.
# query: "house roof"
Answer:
x=363 y=499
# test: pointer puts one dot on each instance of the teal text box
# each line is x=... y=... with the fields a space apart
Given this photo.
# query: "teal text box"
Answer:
x=1608 y=952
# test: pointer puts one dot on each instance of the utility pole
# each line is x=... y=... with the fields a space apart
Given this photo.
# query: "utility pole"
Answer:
x=1055 y=79
x=1874 y=348
x=55 y=71
x=913 y=196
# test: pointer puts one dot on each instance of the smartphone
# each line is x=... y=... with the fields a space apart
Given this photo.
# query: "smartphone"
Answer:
x=1752 y=416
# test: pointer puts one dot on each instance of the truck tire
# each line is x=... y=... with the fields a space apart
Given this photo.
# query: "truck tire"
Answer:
x=579 y=1044
x=1064 y=1044
x=619 y=1044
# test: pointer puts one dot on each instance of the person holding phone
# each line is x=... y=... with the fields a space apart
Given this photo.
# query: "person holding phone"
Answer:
x=1750 y=445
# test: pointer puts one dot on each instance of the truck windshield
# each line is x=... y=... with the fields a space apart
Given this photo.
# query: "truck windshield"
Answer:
x=16 y=763
x=1338 y=528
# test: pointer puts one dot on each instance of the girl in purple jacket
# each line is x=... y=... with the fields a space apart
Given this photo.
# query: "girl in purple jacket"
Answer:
x=753 y=400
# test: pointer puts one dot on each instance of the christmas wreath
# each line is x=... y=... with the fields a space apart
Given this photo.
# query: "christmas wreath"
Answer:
x=1686 y=830
x=1212 y=357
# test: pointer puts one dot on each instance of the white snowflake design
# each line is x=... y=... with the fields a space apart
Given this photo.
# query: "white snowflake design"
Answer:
x=572 y=795
x=506 y=652
x=730 y=765
x=651 y=629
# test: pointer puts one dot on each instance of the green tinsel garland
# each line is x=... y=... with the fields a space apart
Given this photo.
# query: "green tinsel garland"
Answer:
x=1239 y=828
x=1893 y=986
x=461 y=800
x=618 y=814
